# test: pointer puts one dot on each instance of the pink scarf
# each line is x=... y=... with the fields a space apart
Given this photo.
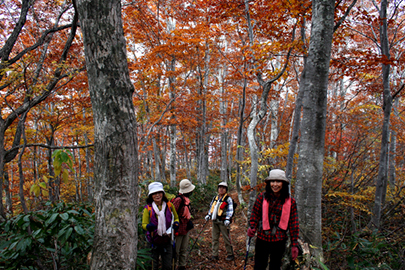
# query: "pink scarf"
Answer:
x=285 y=215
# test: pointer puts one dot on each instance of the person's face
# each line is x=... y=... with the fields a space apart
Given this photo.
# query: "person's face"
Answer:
x=276 y=186
x=157 y=197
x=221 y=190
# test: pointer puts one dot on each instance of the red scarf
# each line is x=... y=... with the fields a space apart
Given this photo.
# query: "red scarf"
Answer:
x=285 y=214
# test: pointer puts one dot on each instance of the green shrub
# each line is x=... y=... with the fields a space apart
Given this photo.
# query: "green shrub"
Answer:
x=59 y=237
x=365 y=250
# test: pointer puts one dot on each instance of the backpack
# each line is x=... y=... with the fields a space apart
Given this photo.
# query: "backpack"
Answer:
x=234 y=206
x=182 y=204
x=233 y=203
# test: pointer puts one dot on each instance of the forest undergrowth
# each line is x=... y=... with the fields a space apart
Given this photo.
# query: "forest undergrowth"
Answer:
x=61 y=235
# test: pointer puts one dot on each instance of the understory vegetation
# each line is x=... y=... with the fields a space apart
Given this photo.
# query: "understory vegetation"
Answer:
x=60 y=235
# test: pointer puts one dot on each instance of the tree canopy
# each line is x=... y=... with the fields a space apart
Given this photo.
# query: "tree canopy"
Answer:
x=201 y=72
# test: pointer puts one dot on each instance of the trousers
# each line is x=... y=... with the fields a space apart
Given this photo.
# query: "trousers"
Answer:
x=264 y=250
x=218 y=227
x=164 y=251
x=181 y=248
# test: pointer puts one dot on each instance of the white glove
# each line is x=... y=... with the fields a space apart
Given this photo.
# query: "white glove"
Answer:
x=207 y=217
x=227 y=222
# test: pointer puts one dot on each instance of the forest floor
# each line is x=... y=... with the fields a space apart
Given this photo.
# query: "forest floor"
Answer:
x=200 y=256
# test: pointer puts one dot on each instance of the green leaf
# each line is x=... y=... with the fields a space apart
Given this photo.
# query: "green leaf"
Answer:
x=35 y=233
x=79 y=230
x=42 y=185
x=64 y=216
x=73 y=212
x=62 y=231
x=26 y=218
x=51 y=219
x=68 y=234
x=12 y=245
x=22 y=245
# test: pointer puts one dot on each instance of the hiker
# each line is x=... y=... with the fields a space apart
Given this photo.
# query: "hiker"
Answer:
x=158 y=220
x=221 y=212
x=273 y=214
x=182 y=205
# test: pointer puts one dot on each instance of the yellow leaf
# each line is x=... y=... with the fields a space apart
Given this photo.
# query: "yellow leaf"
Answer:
x=32 y=188
x=45 y=179
x=36 y=190
x=57 y=170
x=45 y=193
x=65 y=176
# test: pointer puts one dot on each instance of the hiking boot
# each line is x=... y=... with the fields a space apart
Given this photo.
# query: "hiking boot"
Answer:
x=215 y=258
x=230 y=258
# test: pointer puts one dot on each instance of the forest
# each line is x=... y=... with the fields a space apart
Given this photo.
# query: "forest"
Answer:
x=101 y=97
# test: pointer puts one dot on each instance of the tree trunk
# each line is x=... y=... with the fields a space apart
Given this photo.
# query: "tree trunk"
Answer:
x=171 y=66
x=393 y=149
x=173 y=140
x=224 y=130
x=254 y=154
x=308 y=190
x=239 y=148
x=157 y=159
x=297 y=115
x=202 y=172
x=20 y=167
x=381 y=182
x=116 y=157
x=88 y=171
x=53 y=196
x=2 y=154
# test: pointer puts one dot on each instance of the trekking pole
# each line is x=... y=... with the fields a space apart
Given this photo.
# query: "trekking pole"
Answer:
x=247 y=253
x=174 y=255
x=198 y=235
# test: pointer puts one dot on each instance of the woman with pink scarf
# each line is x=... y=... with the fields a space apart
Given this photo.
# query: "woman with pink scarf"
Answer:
x=273 y=215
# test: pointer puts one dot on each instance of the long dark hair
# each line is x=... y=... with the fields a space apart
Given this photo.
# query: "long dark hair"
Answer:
x=149 y=200
x=284 y=192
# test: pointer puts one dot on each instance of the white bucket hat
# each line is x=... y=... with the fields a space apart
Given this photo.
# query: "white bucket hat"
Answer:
x=223 y=184
x=155 y=187
x=186 y=186
x=277 y=174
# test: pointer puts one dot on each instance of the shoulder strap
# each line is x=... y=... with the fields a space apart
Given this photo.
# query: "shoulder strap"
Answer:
x=149 y=207
x=169 y=204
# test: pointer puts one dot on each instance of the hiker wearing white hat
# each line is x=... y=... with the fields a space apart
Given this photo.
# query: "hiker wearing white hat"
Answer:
x=273 y=215
x=183 y=208
x=158 y=220
x=221 y=212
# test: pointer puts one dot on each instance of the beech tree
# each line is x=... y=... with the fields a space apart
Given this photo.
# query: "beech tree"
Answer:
x=308 y=190
x=116 y=161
